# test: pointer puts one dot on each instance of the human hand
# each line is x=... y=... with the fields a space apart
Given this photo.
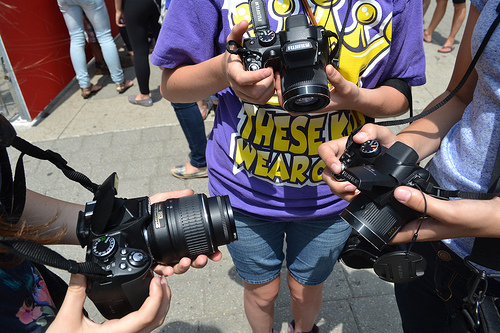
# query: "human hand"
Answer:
x=256 y=87
x=448 y=219
x=343 y=93
x=331 y=152
x=120 y=18
x=152 y=313
x=183 y=265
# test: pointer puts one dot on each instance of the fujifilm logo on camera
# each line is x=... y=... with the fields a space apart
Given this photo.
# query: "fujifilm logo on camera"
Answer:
x=299 y=46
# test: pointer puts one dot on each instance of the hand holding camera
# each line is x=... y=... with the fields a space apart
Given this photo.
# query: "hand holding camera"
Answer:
x=299 y=53
x=126 y=237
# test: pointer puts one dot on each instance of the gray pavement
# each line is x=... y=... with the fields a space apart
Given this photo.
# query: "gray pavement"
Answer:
x=105 y=134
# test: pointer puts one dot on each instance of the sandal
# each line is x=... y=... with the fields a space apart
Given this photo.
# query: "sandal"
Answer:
x=90 y=90
x=446 y=49
x=122 y=87
x=180 y=172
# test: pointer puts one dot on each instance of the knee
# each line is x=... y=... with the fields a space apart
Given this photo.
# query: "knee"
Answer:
x=305 y=295
x=262 y=295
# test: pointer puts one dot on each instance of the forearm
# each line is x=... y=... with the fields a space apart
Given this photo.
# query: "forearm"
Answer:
x=381 y=102
x=118 y=5
x=194 y=82
x=41 y=210
x=425 y=135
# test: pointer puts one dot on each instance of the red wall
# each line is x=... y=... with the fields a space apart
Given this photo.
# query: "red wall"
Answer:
x=37 y=43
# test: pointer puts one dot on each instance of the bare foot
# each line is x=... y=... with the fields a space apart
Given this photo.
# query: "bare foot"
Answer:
x=427 y=37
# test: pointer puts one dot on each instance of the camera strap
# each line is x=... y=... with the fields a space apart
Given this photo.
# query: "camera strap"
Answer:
x=457 y=88
x=13 y=199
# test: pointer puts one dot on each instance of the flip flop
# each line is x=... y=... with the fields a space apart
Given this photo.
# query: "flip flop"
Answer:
x=446 y=49
x=180 y=172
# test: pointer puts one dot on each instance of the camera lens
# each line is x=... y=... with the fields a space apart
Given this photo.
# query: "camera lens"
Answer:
x=377 y=224
x=305 y=89
x=189 y=226
x=308 y=100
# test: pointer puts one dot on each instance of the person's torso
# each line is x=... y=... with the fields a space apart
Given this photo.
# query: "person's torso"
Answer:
x=262 y=157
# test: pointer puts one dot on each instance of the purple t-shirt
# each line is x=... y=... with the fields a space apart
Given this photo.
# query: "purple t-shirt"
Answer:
x=264 y=159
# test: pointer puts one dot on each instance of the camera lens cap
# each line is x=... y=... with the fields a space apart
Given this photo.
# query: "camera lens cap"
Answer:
x=400 y=266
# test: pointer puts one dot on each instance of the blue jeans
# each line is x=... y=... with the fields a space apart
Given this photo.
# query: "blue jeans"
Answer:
x=312 y=248
x=193 y=126
x=97 y=14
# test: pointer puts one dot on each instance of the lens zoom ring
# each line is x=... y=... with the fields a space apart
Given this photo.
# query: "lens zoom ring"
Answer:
x=194 y=230
x=379 y=219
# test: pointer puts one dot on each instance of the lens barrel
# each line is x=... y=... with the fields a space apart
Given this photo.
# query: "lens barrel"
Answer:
x=189 y=226
x=377 y=224
x=305 y=90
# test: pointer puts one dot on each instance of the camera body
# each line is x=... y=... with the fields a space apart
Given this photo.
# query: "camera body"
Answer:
x=300 y=53
x=376 y=172
x=126 y=237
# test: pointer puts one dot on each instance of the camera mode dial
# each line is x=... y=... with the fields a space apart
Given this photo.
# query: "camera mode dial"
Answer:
x=104 y=247
x=370 y=148
x=266 y=37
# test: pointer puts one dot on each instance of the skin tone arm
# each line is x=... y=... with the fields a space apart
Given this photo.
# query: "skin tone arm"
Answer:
x=40 y=209
x=227 y=70
x=447 y=219
x=119 y=16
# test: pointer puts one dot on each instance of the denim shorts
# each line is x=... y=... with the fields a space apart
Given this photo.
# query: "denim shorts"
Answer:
x=310 y=248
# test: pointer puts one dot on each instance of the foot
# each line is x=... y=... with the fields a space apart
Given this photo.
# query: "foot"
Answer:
x=446 y=49
x=122 y=87
x=140 y=100
x=427 y=37
x=188 y=171
x=90 y=90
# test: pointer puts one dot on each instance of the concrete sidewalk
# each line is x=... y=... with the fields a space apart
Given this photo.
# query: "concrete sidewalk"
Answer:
x=106 y=133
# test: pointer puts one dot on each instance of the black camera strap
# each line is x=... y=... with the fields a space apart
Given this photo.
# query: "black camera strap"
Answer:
x=460 y=84
x=13 y=199
x=43 y=255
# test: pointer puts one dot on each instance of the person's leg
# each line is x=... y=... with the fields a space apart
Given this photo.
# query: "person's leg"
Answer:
x=191 y=121
x=97 y=14
x=258 y=300
x=425 y=6
x=312 y=251
x=459 y=13
x=258 y=257
x=436 y=19
x=73 y=16
x=140 y=15
x=306 y=303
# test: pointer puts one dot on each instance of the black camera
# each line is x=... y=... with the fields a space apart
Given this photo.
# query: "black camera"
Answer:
x=300 y=53
x=376 y=172
x=127 y=236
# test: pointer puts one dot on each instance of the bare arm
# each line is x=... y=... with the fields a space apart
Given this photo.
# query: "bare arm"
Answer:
x=192 y=83
x=41 y=209
x=379 y=102
x=425 y=134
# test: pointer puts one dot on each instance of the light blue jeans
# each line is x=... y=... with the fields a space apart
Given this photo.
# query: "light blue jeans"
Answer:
x=97 y=14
